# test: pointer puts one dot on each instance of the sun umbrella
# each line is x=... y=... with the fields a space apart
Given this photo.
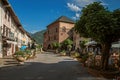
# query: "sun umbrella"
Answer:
x=23 y=47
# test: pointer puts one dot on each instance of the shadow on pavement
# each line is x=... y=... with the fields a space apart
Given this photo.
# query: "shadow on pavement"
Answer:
x=64 y=70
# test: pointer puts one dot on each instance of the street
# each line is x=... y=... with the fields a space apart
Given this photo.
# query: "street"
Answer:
x=47 y=66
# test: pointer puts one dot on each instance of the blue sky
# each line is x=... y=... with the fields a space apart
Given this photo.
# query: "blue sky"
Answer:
x=35 y=15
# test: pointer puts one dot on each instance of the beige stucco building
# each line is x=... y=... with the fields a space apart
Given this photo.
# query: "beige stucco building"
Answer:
x=12 y=34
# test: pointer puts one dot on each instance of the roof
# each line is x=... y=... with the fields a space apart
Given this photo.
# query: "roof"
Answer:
x=63 y=19
x=7 y=5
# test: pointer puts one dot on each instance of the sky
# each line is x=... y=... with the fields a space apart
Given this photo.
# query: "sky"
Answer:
x=35 y=15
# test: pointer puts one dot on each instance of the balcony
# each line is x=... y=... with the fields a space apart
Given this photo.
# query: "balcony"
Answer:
x=8 y=36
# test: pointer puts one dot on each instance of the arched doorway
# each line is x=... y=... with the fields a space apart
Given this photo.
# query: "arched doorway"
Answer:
x=49 y=46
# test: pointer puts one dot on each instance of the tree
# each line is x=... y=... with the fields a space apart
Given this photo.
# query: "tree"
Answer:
x=101 y=25
x=56 y=45
x=68 y=43
x=82 y=45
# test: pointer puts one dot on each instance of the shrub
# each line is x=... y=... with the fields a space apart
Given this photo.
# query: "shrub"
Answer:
x=56 y=45
x=75 y=54
x=19 y=53
x=84 y=57
x=27 y=51
x=63 y=52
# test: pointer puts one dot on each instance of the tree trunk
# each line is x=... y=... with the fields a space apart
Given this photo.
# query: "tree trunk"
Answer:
x=105 y=55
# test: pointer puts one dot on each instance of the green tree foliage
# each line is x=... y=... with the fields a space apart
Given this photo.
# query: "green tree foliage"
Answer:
x=56 y=45
x=101 y=25
x=82 y=44
x=67 y=43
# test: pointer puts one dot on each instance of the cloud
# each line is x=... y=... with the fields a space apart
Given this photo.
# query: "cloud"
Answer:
x=77 y=5
x=83 y=3
x=74 y=18
x=104 y=4
x=77 y=16
x=73 y=7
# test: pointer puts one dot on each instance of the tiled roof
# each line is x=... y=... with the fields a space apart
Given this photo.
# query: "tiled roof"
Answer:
x=14 y=16
x=63 y=19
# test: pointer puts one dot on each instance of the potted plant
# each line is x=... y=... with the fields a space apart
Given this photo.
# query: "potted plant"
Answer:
x=75 y=54
x=19 y=56
x=63 y=53
x=27 y=54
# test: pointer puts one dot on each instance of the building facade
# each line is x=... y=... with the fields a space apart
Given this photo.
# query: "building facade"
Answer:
x=58 y=31
x=12 y=34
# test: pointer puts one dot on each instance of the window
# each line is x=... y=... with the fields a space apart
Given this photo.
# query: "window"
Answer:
x=56 y=30
x=4 y=30
x=5 y=14
x=63 y=29
x=7 y=32
x=8 y=17
x=11 y=34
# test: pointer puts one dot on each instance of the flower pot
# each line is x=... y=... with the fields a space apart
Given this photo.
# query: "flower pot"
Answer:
x=63 y=54
x=20 y=58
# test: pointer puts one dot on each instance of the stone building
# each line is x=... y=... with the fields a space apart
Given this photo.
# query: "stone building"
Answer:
x=58 y=31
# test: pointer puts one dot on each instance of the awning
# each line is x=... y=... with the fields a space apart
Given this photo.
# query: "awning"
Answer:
x=115 y=45
x=91 y=43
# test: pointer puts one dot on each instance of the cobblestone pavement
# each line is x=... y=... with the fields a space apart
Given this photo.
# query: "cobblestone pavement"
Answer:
x=47 y=66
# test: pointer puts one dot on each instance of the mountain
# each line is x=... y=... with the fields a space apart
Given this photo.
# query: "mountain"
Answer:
x=38 y=36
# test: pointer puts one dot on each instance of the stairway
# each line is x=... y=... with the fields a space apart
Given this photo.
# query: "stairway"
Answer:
x=9 y=61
